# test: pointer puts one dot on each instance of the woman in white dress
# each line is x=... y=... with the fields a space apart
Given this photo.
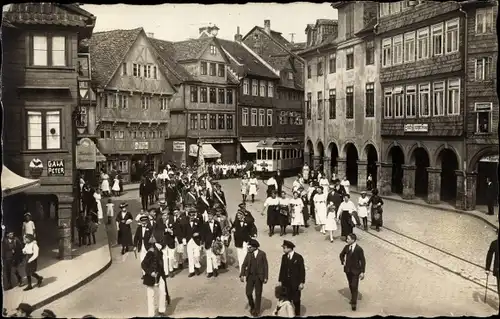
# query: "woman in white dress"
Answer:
x=331 y=220
x=363 y=209
x=105 y=184
x=320 y=209
x=296 y=208
x=244 y=187
x=98 y=197
x=323 y=182
x=271 y=185
x=253 y=187
x=116 y=186
x=346 y=184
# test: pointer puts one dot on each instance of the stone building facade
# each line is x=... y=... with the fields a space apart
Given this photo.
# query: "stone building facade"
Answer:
x=429 y=135
x=342 y=94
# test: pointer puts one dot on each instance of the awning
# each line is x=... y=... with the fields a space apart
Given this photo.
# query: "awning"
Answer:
x=13 y=183
x=250 y=147
x=98 y=155
x=208 y=151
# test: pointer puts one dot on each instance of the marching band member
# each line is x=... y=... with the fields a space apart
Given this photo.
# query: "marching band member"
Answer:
x=141 y=238
x=168 y=242
x=242 y=233
x=193 y=242
x=253 y=187
x=296 y=207
x=225 y=225
x=211 y=232
x=123 y=221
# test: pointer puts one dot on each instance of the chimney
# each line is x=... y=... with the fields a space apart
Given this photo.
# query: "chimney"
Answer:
x=267 y=26
x=238 y=37
x=150 y=34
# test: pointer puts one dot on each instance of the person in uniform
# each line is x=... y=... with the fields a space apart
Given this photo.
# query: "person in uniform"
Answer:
x=273 y=215
x=211 y=232
x=123 y=221
x=242 y=233
x=169 y=243
x=256 y=271
x=352 y=258
x=193 y=242
x=12 y=256
x=203 y=206
x=171 y=195
x=154 y=275
x=144 y=194
x=292 y=274
x=247 y=214
x=141 y=238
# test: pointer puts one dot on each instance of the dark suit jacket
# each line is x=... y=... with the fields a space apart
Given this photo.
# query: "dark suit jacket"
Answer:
x=180 y=225
x=190 y=199
x=262 y=266
x=354 y=262
x=491 y=194
x=138 y=239
x=489 y=257
x=208 y=236
x=168 y=238
x=190 y=231
x=15 y=254
x=203 y=205
x=143 y=189
x=219 y=198
x=292 y=271
x=153 y=262
x=242 y=234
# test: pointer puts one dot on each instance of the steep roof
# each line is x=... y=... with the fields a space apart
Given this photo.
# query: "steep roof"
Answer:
x=277 y=38
x=108 y=50
x=167 y=53
x=330 y=40
x=190 y=49
x=246 y=62
x=284 y=62
x=298 y=46
x=47 y=13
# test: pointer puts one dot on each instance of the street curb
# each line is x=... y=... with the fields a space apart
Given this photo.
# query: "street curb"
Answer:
x=450 y=210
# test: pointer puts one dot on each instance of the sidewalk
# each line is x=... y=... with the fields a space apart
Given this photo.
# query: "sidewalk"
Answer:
x=61 y=277
x=491 y=220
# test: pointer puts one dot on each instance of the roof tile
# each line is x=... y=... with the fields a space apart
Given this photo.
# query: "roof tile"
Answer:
x=168 y=53
x=47 y=13
x=190 y=49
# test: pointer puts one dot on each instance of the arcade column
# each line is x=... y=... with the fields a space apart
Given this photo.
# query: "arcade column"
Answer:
x=434 y=185
x=408 y=181
x=460 y=201
x=341 y=168
x=327 y=167
x=65 y=208
x=316 y=162
x=307 y=159
x=470 y=191
x=384 y=178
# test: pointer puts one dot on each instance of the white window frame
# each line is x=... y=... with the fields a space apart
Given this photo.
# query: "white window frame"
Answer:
x=47 y=141
x=386 y=56
x=262 y=88
x=395 y=7
x=388 y=111
x=213 y=51
x=246 y=86
x=163 y=104
x=255 y=87
x=244 y=116
x=409 y=45
x=397 y=49
x=454 y=38
x=269 y=119
x=262 y=117
x=253 y=117
x=123 y=101
x=283 y=118
x=145 y=102
x=486 y=64
x=350 y=51
x=453 y=96
x=423 y=34
x=482 y=107
x=438 y=96
x=136 y=70
x=424 y=89
x=411 y=101
x=385 y=9
x=270 y=89
x=398 y=98
x=437 y=31
x=487 y=18
x=42 y=47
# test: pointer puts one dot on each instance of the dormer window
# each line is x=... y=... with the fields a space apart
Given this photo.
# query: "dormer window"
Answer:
x=290 y=75
x=213 y=51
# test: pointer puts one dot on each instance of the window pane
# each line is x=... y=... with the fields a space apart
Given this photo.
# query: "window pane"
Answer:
x=53 y=130
x=58 y=51
x=39 y=50
x=34 y=130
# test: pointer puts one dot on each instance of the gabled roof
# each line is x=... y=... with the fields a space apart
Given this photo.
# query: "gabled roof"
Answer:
x=330 y=40
x=190 y=49
x=369 y=28
x=108 y=50
x=166 y=51
x=48 y=13
x=286 y=62
x=246 y=62
x=276 y=37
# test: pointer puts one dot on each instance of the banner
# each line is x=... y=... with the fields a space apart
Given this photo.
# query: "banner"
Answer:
x=201 y=160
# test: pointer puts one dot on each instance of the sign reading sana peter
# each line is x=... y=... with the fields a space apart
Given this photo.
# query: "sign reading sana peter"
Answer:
x=55 y=167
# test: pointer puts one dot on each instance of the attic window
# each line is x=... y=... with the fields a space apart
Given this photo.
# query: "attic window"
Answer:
x=256 y=36
x=290 y=75
x=212 y=49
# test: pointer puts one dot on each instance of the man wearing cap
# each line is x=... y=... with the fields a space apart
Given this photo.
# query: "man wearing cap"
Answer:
x=141 y=238
x=154 y=274
x=352 y=258
x=210 y=232
x=193 y=242
x=242 y=233
x=12 y=256
x=144 y=193
x=292 y=274
x=123 y=221
x=256 y=271
x=168 y=241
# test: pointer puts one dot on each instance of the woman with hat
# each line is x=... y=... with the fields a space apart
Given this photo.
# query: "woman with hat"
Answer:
x=297 y=216
x=272 y=204
x=363 y=209
x=345 y=210
x=123 y=221
x=28 y=226
x=320 y=208
x=31 y=251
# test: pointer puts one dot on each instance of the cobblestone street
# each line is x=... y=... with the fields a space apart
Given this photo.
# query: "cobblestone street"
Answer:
x=396 y=283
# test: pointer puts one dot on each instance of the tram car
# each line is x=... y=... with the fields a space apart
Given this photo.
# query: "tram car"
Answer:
x=284 y=154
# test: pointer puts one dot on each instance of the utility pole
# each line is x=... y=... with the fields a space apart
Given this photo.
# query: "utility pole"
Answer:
x=292 y=35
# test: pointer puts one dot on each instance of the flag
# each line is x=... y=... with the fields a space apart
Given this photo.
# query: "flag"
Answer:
x=201 y=161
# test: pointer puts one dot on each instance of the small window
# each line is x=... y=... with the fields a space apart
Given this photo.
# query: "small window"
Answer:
x=244 y=117
x=194 y=94
x=370 y=100
x=423 y=44
x=484 y=21
x=438 y=98
x=270 y=89
x=454 y=96
x=387 y=52
x=222 y=122
x=411 y=101
x=203 y=95
x=349 y=114
x=44 y=130
x=124 y=68
x=388 y=110
x=320 y=106
x=255 y=87
x=409 y=39
x=213 y=69
x=253 y=118
x=398 y=101
x=370 y=52
x=263 y=86
x=349 y=58
x=222 y=96
x=203 y=68
x=437 y=39
x=332 y=63
x=483 y=117
x=483 y=69
x=424 y=100
x=269 y=117
x=262 y=117
x=452 y=36
x=290 y=76
x=332 y=109
x=213 y=121
x=397 y=49
x=222 y=70
x=213 y=50
x=213 y=95
x=320 y=67
x=246 y=86
x=309 y=71
x=229 y=121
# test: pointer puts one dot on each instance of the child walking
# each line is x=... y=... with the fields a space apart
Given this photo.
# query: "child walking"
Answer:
x=110 y=210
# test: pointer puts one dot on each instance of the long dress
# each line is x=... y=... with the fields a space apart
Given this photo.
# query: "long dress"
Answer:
x=323 y=182
x=320 y=208
x=98 y=198
x=273 y=214
x=244 y=186
x=363 y=207
x=297 y=206
x=105 y=183
x=331 y=223
x=345 y=211
x=124 y=229
x=253 y=183
x=284 y=211
x=116 y=185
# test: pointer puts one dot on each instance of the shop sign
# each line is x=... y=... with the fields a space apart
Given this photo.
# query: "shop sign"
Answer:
x=55 y=167
x=86 y=154
x=490 y=159
x=418 y=128
x=141 y=145
x=179 y=146
x=36 y=168
x=218 y=141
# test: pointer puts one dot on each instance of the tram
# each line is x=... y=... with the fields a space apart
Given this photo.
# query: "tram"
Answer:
x=284 y=154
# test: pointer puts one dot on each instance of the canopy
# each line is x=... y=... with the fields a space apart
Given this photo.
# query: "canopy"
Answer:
x=208 y=151
x=13 y=183
x=250 y=147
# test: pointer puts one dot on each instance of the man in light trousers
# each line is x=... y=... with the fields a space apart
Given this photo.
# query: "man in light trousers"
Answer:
x=193 y=239
x=154 y=276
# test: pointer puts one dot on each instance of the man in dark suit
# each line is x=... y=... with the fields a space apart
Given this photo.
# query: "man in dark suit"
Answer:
x=12 y=256
x=144 y=194
x=292 y=274
x=211 y=231
x=248 y=216
x=491 y=195
x=193 y=243
x=171 y=195
x=203 y=206
x=352 y=258
x=242 y=233
x=256 y=271
x=493 y=251
x=142 y=235
x=218 y=195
